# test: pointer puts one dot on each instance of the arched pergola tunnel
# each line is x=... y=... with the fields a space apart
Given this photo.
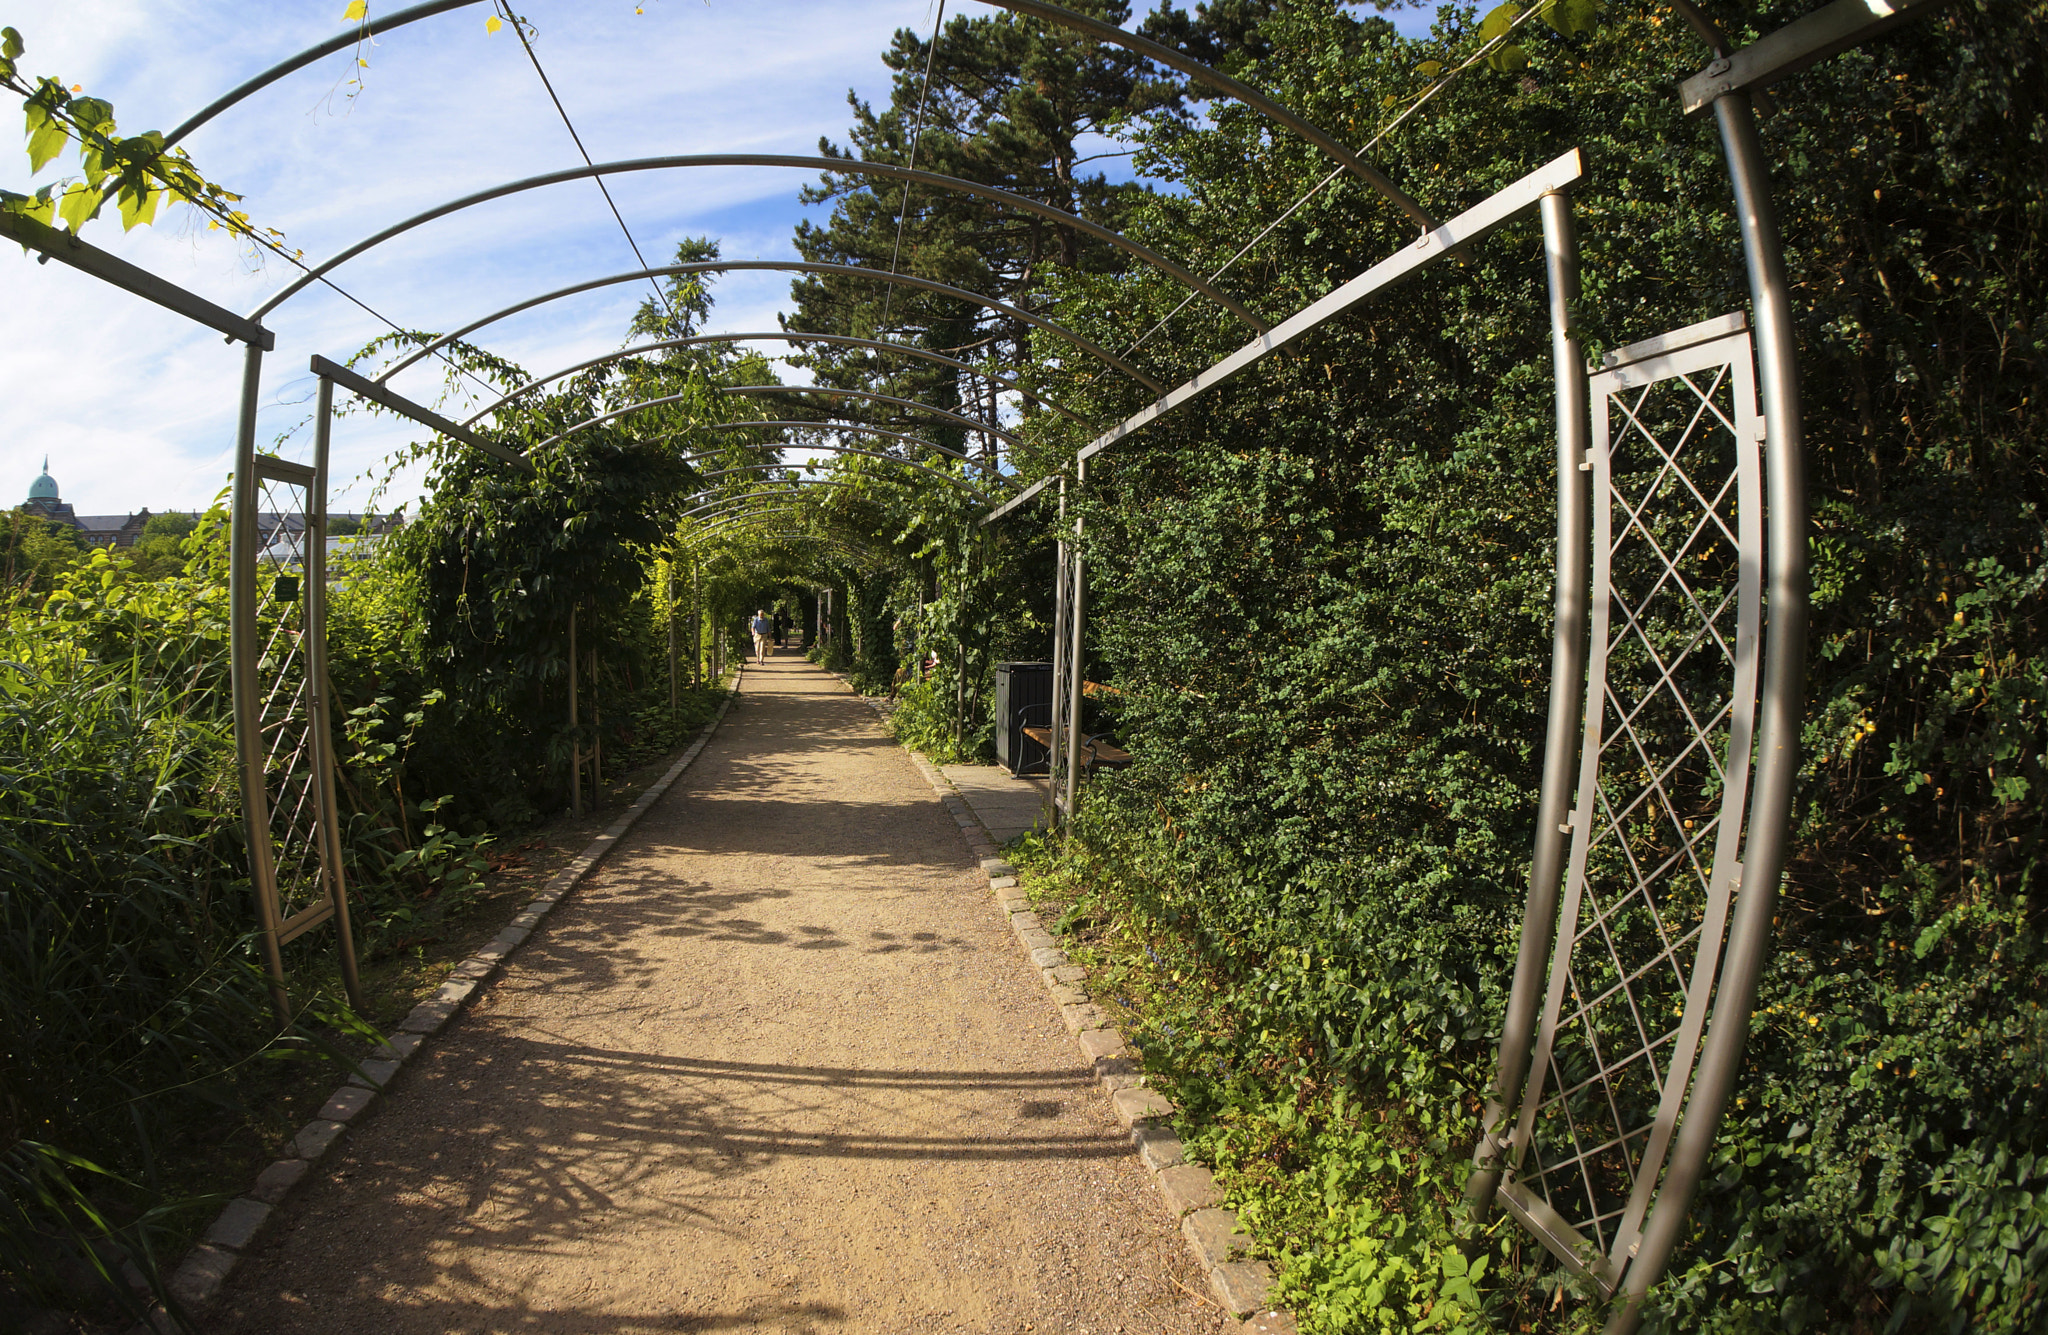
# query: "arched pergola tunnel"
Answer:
x=1620 y=1245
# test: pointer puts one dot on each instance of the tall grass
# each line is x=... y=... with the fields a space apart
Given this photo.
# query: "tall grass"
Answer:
x=129 y=996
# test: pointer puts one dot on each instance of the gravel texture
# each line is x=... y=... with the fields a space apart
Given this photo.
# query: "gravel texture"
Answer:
x=777 y=1065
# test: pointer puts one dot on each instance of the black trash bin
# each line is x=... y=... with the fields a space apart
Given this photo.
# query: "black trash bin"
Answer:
x=1023 y=697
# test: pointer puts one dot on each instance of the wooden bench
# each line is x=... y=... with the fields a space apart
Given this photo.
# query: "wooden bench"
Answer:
x=1096 y=753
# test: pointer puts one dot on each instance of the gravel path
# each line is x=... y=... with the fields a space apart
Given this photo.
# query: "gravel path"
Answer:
x=778 y=1065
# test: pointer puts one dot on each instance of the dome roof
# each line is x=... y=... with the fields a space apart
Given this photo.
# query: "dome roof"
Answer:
x=43 y=488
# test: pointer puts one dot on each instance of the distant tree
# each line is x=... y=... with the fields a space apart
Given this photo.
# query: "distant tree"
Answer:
x=160 y=551
x=36 y=550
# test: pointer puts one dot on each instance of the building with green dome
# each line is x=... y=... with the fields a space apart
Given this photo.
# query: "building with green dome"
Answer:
x=93 y=530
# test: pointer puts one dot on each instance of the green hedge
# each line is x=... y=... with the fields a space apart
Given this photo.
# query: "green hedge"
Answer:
x=1325 y=590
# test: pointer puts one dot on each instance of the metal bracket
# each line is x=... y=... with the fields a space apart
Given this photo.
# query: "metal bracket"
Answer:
x=1823 y=33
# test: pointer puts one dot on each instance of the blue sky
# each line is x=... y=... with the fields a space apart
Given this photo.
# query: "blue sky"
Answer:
x=135 y=407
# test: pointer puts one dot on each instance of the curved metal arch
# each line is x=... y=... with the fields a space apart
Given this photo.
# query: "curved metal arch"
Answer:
x=841 y=547
x=739 y=504
x=799 y=445
x=720 y=523
x=858 y=427
x=847 y=166
x=972 y=423
x=794 y=266
x=962 y=483
x=845 y=548
x=784 y=336
x=1065 y=18
x=794 y=483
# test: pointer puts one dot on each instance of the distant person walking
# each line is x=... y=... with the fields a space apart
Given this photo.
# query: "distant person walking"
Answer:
x=762 y=629
x=781 y=629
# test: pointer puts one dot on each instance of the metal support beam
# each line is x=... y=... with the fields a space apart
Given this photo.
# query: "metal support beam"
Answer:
x=57 y=244
x=1568 y=646
x=1469 y=226
x=427 y=417
x=1827 y=31
x=321 y=704
x=244 y=669
x=1077 y=625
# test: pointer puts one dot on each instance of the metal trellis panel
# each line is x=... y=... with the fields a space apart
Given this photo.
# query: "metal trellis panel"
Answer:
x=1663 y=787
x=283 y=728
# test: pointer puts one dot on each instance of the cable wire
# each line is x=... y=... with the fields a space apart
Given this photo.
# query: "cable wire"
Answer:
x=931 y=56
x=1484 y=51
x=519 y=27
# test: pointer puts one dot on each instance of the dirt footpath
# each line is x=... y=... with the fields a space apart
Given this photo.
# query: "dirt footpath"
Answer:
x=778 y=1065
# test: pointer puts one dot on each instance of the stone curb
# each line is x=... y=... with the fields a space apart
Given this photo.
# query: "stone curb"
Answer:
x=1189 y=1191
x=198 y=1279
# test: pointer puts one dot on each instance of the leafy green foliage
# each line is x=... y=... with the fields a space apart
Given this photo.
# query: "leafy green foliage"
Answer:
x=1324 y=592
x=137 y=172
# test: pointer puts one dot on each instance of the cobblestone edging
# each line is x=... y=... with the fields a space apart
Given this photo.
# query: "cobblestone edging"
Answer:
x=1189 y=1190
x=206 y=1267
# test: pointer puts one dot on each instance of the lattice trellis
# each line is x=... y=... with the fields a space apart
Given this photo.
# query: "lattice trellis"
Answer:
x=295 y=847
x=1663 y=781
x=284 y=595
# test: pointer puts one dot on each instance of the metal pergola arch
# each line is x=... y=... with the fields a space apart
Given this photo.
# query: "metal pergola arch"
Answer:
x=1066 y=18
x=972 y=423
x=800 y=445
x=785 y=336
x=947 y=478
x=794 y=487
x=857 y=428
x=960 y=419
x=1726 y=86
x=1031 y=318
x=850 y=166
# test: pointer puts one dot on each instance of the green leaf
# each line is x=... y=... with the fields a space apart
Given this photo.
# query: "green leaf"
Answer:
x=139 y=206
x=10 y=44
x=1572 y=18
x=1429 y=69
x=78 y=205
x=1509 y=59
x=45 y=142
x=1499 y=21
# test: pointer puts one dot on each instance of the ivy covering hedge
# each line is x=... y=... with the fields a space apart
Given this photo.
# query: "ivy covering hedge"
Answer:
x=1325 y=593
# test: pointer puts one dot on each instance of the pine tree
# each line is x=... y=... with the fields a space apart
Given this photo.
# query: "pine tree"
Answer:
x=1011 y=102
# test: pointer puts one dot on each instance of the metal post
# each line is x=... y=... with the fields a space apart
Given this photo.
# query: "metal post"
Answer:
x=575 y=741
x=320 y=691
x=1077 y=617
x=960 y=658
x=1567 y=688
x=1057 y=715
x=675 y=700
x=1781 y=702
x=243 y=541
